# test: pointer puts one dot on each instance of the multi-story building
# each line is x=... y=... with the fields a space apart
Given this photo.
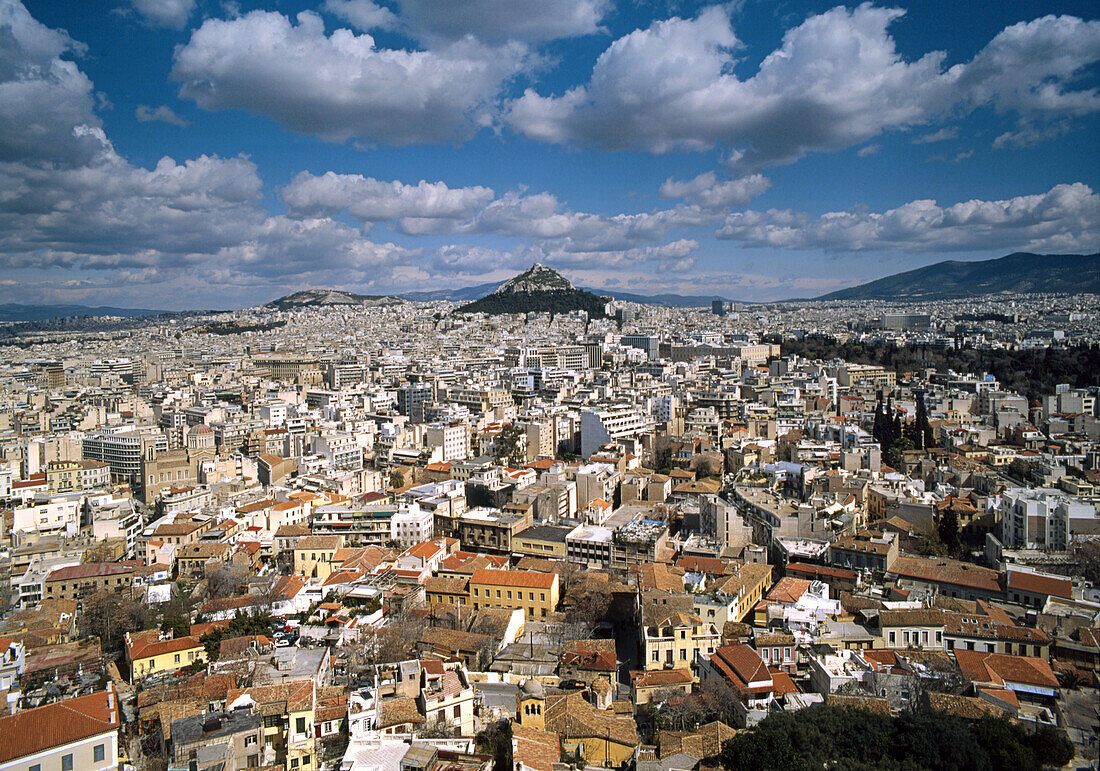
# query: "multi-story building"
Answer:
x=78 y=581
x=1039 y=519
x=611 y=424
x=153 y=651
x=77 y=734
x=124 y=451
x=453 y=438
x=676 y=640
x=536 y=594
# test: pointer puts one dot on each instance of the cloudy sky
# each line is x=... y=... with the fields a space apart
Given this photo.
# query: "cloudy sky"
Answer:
x=208 y=153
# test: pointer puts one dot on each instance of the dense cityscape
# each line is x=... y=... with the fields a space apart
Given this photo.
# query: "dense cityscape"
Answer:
x=549 y=385
x=394 y=534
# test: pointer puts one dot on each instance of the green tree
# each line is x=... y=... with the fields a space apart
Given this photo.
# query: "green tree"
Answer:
x=948 y=528
x=397 y=479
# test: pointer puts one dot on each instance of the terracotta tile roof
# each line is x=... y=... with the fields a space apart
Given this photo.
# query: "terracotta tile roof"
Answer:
x=145 y=644
x=93 y=570
x=947 y=571
x=705 y=742
x=662 y=678
x=535 y=749
x=400 y=710
x=53 y=725
x=999 y=669
x=966 y=707
x=571 y=717
x=1036 y=584
x=318 y=542
x=788 y=589
x=524 y=579
x=872 y=703
x=297 y=695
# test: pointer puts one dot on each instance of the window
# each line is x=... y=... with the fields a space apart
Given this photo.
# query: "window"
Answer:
x=300 y=725
x=99 y=752
x=294 y=762
x=892 y=638
x=683 y=654
x=35 y=767
x=176 y=660
x=305 y=760
x=249 y=741
x=656 y=655
x=67 y=762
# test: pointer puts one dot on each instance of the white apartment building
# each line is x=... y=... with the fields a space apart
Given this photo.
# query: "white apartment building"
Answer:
x=342 y=450
x=411 y=525
x=1040 y=519
x=454 y=438
x=618 y=422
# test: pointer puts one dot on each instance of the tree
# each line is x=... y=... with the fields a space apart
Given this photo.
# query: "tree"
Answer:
x=510 y=445
x=224 y=579
x=496 y=741
x=948 y=528
x=109 y=616
x=397 y=479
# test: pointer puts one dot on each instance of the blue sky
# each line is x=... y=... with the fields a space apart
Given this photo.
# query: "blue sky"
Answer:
x=197 y=153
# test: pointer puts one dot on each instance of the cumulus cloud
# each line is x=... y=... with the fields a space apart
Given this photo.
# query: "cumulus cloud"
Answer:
x=835 y=81
x=164 y=13
x=362 y=14
x=163 y=114
x=1064 y=219
x=342 y=86
x=496 y=21
x=710 y=193
x=46 y=102
x=371 y=200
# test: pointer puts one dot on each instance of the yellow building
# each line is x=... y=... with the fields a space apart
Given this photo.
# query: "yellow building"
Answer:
x=288 y=709
x=313 y=555
x=444 y=590
x=536 y=594
x=676 y=640
x=153 y=651
x=603 y=739
x=543 y=541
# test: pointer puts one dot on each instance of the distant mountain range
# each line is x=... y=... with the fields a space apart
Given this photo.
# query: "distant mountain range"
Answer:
x=1020 y=273
x=313 y=298
x=537 y=290
x=19 y=312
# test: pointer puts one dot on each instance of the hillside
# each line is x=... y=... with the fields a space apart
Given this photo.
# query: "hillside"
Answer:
x=467 y=294
x=313 y=298
x=1021 y=272
x=19 y=312
x=537 y=290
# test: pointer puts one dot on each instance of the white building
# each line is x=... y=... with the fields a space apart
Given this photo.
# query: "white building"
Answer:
x=1040 y=519
x=411 y=525
x=612 y=423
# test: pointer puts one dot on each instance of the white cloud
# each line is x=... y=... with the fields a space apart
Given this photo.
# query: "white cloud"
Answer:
x=868 y=150
x=710 y=193
x=1027 y=135
x=362 y=14
x=1066 y=218
x=496 y=21
x=342 y=86
x=165 y=13
x=837 y=80
x=371 y=200
x=163 y=114
x=46 y=103
x=943 y=134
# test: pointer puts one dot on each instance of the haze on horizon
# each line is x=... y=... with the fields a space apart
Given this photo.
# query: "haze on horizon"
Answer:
x=194 y=153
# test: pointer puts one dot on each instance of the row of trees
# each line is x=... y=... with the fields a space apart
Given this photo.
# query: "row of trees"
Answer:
x=1032 y=372
x=895 y=436
x=838 y=737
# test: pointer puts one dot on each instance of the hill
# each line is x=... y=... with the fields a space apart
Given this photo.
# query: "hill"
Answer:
x=467 y=294
x=19 y=312
x=537 y=290
x=1021 y=272
x=313 y=298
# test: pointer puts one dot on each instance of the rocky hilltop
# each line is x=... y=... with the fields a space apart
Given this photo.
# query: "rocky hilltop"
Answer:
x=313 y=298
x=537 y=290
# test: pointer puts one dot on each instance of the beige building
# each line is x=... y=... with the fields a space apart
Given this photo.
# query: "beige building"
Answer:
x=78 y=734
x=536 y=594
x=677 y=640
x=313 y=555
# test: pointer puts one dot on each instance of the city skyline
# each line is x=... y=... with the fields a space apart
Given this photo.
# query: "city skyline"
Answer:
x=182 y=153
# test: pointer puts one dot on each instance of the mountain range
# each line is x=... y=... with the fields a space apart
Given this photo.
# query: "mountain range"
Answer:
x=21 y=312
x=315 y=297
x=1018 y=273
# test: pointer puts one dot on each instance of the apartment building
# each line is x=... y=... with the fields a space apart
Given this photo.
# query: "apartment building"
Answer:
x=536 y=594
x=77 y=734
